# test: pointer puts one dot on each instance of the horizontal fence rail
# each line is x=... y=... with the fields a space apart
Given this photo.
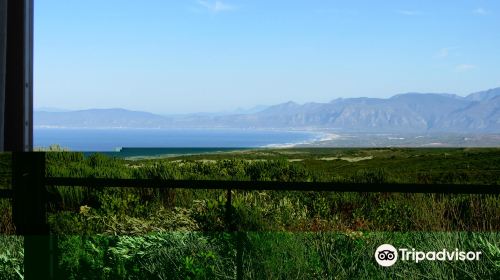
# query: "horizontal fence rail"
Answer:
x=275 y=185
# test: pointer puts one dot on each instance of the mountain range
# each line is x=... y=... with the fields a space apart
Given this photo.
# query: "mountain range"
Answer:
x=409 y=112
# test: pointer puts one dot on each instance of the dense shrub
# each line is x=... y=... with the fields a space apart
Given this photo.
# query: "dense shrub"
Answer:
x=122 y=233
x=174 y=255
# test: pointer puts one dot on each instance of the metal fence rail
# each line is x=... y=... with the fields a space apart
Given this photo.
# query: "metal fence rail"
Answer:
x=276 y=185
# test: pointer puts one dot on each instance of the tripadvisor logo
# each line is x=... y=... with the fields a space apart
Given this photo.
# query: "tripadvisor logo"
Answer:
x=387 y=255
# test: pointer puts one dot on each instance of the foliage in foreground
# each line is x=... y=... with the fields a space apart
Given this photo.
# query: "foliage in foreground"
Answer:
x=115 y=233
x=277 y=210
x=265 y=255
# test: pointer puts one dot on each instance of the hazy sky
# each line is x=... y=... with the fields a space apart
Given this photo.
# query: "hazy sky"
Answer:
x=185 y=56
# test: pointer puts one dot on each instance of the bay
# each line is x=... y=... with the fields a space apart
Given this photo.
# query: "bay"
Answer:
x=117 y=139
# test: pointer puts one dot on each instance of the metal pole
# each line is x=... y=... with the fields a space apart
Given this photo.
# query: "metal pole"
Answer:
x=237 y=236
x=29 y=213
x=3 y=60
x=28 y=76
x=229 y=212
x=18 y=109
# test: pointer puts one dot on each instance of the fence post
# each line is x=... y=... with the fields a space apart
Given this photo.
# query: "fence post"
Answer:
x=231 y=226
x=229 y=211
x=29 y=213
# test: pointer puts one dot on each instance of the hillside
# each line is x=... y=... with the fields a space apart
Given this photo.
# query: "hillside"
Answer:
x=409 y=112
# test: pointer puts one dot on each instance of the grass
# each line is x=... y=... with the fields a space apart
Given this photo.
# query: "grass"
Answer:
x=265 y=255
x=11 y=257
x=116 y=233
x=327 y=255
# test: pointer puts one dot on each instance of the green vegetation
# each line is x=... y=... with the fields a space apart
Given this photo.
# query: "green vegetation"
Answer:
x=119 y=233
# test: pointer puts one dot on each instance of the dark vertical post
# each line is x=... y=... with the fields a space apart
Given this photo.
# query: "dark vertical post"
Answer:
x=238 y=236
x=229 y=211
x=18 y=114
x=29 y=213
x=3 y=60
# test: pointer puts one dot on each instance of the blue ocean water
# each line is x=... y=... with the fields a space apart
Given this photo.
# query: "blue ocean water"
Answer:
x=115 y=139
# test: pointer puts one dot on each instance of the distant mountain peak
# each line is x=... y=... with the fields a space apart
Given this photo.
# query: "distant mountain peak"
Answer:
x=484 y=95
x=289 y=104
x=422 y=112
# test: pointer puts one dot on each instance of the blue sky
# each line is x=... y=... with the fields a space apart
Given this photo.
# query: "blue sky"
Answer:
x=206 y=55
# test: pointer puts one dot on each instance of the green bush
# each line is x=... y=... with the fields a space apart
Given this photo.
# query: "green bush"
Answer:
x=11 y=257
x=174 y=255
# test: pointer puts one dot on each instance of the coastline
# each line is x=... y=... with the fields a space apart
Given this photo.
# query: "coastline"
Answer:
x=111 y=141
x=320 y=137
